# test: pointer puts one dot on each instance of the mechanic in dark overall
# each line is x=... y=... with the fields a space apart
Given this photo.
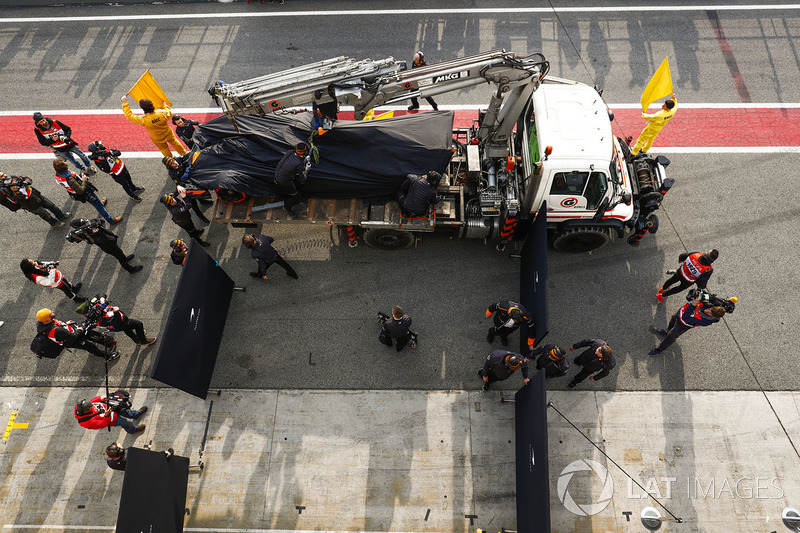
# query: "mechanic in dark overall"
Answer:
x=499 y=366
x=508 y=316
x=179 y=209
x=419 y=61
x=552 y=358
x=92 y=231
x=262 y=251
x=596 y=358
x=418 y=192
x=397 y=328
x=290 y=174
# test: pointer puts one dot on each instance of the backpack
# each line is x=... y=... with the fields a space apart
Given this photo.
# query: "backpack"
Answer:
x=43 y=346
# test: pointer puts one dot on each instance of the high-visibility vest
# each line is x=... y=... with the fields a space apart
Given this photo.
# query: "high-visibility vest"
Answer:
x=691 y=269
x=48 y=134
x=58 y=324
x=62 y=180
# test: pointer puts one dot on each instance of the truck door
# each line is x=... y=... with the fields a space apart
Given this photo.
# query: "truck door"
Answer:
x=577 y=191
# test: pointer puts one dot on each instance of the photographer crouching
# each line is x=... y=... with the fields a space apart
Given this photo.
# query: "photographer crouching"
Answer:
x=52 y=336
x=702 y=309
x=93 y=231
x=100 y=312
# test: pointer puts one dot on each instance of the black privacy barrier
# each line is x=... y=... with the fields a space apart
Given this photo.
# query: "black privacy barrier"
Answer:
x=357 y=159
x=190 y=342
x=533 y=279
x=153 y=493
x=533 y=471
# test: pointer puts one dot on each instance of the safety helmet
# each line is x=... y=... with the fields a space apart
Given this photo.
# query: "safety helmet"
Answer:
x=605 y=351
x=167 y=160
x=168 y=199
x=43 y=315
x=96 y=146
x=114 y=448
x=83 y=407
x=78 y=222
x=176 y=118
x=419 y=57
x=301 y=149
x=513 y=362
x=176 y=243
x=556 y=353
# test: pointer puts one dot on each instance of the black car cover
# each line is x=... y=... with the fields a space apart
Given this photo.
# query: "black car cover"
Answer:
x=357 y=159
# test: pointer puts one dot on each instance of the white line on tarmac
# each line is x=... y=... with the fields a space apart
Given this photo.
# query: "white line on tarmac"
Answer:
x=190 y=529
x=395 y=12
x=454 y=107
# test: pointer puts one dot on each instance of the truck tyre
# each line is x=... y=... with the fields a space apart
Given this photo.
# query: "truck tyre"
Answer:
x=576 y=240
x=388 y=239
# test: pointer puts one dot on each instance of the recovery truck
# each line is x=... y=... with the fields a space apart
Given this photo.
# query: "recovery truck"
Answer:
x=540 y=140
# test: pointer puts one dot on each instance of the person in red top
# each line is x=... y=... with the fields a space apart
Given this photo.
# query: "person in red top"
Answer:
x=695 y=269
x=96 y=414
x=58 y=137
x=46 y=274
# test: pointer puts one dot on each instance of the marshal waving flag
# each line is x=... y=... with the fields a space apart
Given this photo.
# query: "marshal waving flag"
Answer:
x=148 y=88
x=660 y=85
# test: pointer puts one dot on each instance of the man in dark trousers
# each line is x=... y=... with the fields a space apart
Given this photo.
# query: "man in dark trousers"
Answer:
x=93 y=232
x=113 y=319
x=179 y=208
x=109 y=162
x=552 y=358
x=508 y=316
x=58 y=137
x=290 y=174
x=596 y=358
x=418 y=192
x=500 y=364
x=67 y=334
x=692 y=315
x=262 y=251
x=695 y=269
x=397 y=328
x=33 y=201
x=419 y=61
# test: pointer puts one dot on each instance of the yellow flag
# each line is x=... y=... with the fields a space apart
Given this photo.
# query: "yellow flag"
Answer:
x=147 y=87
x=660 y=85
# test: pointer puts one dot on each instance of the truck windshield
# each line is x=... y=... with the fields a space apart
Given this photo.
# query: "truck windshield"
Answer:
x=591 y=185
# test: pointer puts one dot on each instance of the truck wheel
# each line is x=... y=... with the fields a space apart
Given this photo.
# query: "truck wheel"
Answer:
x=576 y=240
x=388 y=239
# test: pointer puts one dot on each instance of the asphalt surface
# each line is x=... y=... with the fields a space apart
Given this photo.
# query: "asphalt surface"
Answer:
x=319 y=331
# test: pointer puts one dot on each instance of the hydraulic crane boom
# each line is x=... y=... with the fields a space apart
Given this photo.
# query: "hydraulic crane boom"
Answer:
x=367 y=84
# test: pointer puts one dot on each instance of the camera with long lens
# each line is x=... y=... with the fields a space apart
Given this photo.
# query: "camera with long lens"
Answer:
x=708 y=299
x=120 y=400
x=94 y=311
x=49 y=265
x=87 y=226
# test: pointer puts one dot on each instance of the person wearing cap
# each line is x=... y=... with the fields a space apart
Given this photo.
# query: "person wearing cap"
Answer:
x=96 y=414
x=184 y=129
x=117 y=457
x=499 y=366
x=109 y=162
x=33 y=201
x=179 y=251
x=419 y=61
x=655 y=123
x=179 y=208
x=104 y=239
x=67 y=334
x=265 y=255
x=695 y=269
x=57 y=136
x=691 y=315
x=552 y=358
x=46 y=274
x=81 y=189
x=156 y=122
x=417 y=192
x=290 y=175
x=596 y=358
x=397 y=328
x=508 y=316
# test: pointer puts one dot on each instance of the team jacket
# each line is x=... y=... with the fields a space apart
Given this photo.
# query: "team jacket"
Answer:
x=178 y=258
x=156 y=124
x=95 y=419
x=395 y=328
x=552 y=368
x=55 y=127
x=496 y=364
x=263 y=253
x=588 y=358
x=695 y=268
x=693 y=316
x=180 y=211
x=289 y=168
x=110 y=165
x=419 y=194
x=186 y=132
x=29 y=198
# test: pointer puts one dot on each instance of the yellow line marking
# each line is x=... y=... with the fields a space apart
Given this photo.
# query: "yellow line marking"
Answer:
x=13 y=425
